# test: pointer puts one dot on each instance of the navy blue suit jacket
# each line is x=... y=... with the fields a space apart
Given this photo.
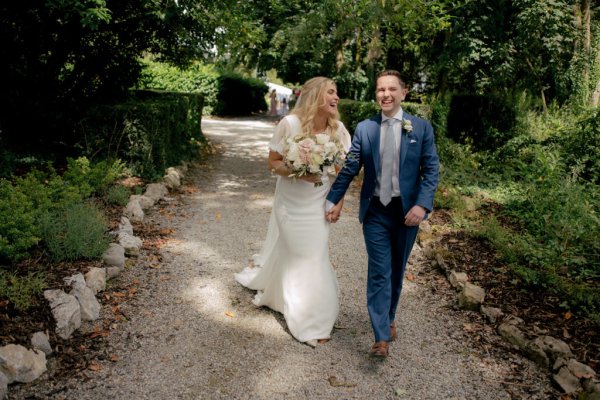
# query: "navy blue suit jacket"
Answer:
x=419 y=164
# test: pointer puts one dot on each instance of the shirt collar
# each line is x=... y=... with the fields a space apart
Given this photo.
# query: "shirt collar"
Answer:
x=398 y=116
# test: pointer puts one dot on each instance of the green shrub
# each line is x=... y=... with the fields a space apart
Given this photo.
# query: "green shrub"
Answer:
x=117 y=195
x=77 y=231
x=486 y=122
x=18 y=228
x=239 y=95
x=581 y=148
x=21 y=292
x=91 y=178
x=198 y=78
x=149 y=132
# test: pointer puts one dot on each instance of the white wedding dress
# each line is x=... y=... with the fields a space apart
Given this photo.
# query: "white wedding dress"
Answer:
x=292 y=273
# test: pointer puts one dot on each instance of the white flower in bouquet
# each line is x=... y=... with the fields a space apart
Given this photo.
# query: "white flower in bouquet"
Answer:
x=322 y=138
x=305 y=155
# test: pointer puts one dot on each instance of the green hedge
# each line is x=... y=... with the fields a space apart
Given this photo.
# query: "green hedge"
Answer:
x=225 y=93
x=352 y=112
x=239 y=95
x=198 y=78
x=150 y=132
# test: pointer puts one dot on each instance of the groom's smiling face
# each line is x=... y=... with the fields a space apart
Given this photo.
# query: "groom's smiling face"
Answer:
x=390 y=92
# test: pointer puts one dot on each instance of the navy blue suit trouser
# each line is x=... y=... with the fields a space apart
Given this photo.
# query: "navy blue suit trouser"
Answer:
x=389 y=243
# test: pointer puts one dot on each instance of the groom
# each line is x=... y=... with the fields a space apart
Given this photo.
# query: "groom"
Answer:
x=401 y=166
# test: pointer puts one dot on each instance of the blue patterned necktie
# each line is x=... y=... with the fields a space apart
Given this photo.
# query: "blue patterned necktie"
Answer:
x=387 y=164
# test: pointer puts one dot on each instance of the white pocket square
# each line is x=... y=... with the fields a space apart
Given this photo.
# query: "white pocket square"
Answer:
x=413 y=141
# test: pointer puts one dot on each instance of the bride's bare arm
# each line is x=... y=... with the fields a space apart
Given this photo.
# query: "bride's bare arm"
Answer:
x=276 y=164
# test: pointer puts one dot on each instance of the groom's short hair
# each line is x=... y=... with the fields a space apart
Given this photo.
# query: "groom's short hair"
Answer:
x=392 y=72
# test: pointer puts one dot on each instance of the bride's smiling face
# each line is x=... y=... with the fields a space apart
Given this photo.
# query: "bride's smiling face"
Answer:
x=329 y=100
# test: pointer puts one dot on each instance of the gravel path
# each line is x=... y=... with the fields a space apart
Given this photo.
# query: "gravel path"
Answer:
x=192 y=332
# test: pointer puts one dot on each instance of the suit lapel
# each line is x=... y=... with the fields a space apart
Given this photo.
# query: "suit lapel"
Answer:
x=405 y=140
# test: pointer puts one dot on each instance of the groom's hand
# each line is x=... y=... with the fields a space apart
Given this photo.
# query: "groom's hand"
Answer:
x=415 y=216
x=334 y=213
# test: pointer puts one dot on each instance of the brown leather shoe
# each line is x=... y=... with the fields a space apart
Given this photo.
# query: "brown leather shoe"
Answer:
x=379 y=350
x=392 y=331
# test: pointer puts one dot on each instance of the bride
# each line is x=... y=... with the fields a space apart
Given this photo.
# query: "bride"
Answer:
x=292 y=273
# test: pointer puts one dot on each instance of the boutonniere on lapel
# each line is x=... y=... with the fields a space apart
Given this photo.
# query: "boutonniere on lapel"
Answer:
x=407 y=126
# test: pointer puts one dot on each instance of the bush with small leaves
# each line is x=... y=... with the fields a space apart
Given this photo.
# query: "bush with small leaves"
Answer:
x=76 y=231
x=21 y=291
x=117 y=195
x=18 y=228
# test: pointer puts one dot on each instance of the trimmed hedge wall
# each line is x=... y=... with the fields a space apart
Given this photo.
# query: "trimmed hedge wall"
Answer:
x=239 y=95
x=149 y=132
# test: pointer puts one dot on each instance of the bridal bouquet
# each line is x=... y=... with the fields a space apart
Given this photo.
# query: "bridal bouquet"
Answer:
x=312 y=155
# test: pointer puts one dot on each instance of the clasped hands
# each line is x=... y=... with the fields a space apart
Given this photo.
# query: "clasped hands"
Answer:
x=413 y=218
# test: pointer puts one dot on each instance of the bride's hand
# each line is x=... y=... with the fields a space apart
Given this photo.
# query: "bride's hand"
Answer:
x=312 y=178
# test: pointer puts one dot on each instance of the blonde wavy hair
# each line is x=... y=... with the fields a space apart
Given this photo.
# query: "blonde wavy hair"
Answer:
x=312 y=96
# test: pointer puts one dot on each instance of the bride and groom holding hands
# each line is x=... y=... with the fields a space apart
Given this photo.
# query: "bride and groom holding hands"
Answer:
x=293 y=273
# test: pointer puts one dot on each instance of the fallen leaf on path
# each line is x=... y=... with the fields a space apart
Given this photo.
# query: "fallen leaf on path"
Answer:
x=218 y=216
x=566 y=333
x=98 y=332
x=165 y=278
x=94 y=366
x=410 y=276
x=568 y=315
x=335 y=382
x=229 y=314
x=114 y=358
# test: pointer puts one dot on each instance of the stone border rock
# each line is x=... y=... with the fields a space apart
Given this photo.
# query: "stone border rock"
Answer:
x=550 y=353
x=70 y=310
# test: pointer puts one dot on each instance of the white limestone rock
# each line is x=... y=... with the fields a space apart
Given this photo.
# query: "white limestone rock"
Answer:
x=114 y=256
x=156 y=191
x=40 y=341
x=89 y=305
x=171 y=180
x=458 y=279
x=66 y=312
x=19 y=364
x=131 y=244
x=144 y=201
x=125 y=226
x=95 y=279
x=471 y=297
x=133 y=211
x=3 y=385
